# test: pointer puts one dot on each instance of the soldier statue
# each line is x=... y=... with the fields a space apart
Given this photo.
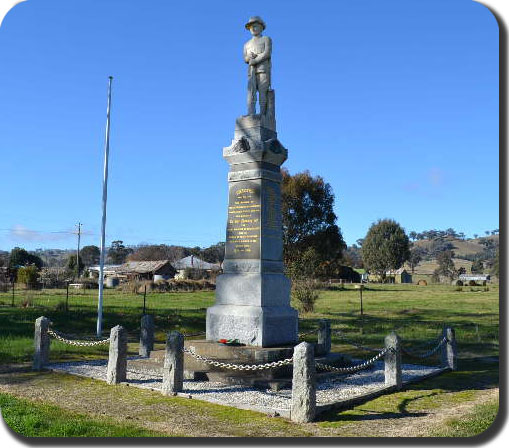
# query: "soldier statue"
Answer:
x=257 y=53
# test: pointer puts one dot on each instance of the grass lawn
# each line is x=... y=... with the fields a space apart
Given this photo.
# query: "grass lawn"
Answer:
x=43 y=420
x=416 y=313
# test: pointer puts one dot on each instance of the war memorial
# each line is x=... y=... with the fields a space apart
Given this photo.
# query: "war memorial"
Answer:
x=252 y=356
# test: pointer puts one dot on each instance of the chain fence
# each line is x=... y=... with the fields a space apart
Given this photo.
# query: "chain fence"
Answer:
x=307 y=333
x=352 y=369
x=230 y=366
x=67 y=339
x=426 y=354
x=353 y=343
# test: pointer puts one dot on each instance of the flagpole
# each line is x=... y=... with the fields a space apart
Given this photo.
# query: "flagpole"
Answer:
x=103 y=225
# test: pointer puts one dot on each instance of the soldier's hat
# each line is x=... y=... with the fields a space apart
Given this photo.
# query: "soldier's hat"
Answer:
x=255 y=19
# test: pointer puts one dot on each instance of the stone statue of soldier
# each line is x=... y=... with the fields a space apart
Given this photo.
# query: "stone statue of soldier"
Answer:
x=257 y=53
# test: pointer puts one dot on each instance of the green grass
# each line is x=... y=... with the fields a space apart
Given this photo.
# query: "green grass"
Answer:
x=445 y=390
x=473 y=424
x=43 y=420
x=416 y=313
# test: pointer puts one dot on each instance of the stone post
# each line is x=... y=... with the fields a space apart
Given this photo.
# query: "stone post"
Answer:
x=117 y=360
x=41 y=343
x=324 y=337
x=449 y=349
x=146 y=335
x=304 y=384
x=173 y=369
x=393 y=361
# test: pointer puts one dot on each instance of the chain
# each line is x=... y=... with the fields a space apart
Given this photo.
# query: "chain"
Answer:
x=355 y=368
x=301 y=335
x=59 y=336
x=426 y=354
x=186 y=335
x=192 y=335
x=252 y=367
x=361 y=347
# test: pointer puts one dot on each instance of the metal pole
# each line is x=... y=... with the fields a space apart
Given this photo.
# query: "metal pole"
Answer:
x=78 y=252
x=67 y=297
x=13 y=294
x=103 y=225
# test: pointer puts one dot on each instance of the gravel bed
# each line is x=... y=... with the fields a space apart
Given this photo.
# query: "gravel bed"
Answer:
x=330 y=389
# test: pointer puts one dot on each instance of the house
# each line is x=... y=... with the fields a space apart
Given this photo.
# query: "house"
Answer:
x=393 y=276
x=146 y=270
x=195 y=265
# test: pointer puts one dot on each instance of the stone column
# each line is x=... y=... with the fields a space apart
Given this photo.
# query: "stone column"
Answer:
x=146 y=335
x=117 y=360
x=173 y=369
x=253 y=293
x=393 y=361
x=324 y=337
x=449 y=349
x=41 y=343
x=304 y=384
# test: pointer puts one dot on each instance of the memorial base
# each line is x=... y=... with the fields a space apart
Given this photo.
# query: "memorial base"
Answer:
x=259 y=326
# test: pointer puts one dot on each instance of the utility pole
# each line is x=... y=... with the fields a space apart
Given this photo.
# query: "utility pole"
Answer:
x=103 y=224
x=78 y=251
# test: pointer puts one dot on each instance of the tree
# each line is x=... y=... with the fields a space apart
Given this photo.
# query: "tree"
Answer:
x=27 y=274
x=72 y=268
x=309 y=220
x=495 y=268
x=117 y=253
x=416 y=254
x=476 y=235
x=413 y=235
x=445 y=265
x=352 y=257
x=214 y=253
x=385 y=247
x=20 y=257
x=477 y=267
x=90 y=255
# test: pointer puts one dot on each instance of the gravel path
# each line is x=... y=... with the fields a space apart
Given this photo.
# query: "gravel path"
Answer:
x=329 y=390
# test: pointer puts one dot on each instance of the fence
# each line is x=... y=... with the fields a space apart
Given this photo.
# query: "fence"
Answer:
x=303 y=404
x=82 y=297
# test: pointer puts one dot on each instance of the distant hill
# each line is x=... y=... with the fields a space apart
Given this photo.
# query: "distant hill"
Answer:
x=427 y=267
x=461 y=248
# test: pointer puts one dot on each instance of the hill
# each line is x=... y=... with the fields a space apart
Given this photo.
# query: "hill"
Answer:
x=461 y=248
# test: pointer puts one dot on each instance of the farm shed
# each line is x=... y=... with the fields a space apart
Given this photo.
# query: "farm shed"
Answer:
x=400 y=275
x=146 y=270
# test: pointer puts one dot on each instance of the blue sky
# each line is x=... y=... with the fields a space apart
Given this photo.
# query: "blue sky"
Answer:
x=394 y=103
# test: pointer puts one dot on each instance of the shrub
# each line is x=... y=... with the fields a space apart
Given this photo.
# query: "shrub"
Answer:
x=28 y=275
x=305 y=293
x=60 y=306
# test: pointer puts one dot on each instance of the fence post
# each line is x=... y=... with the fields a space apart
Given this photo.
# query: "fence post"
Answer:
x=117 y=358
x=13 y=286
x=449 y=349
x=173 y=368
x=324 y=337
x=41 y=343
x=393 y=361
x=303 y=408
x=146 y=335
x=67 y=296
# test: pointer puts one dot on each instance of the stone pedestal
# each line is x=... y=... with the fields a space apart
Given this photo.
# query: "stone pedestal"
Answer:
x=253 y=295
